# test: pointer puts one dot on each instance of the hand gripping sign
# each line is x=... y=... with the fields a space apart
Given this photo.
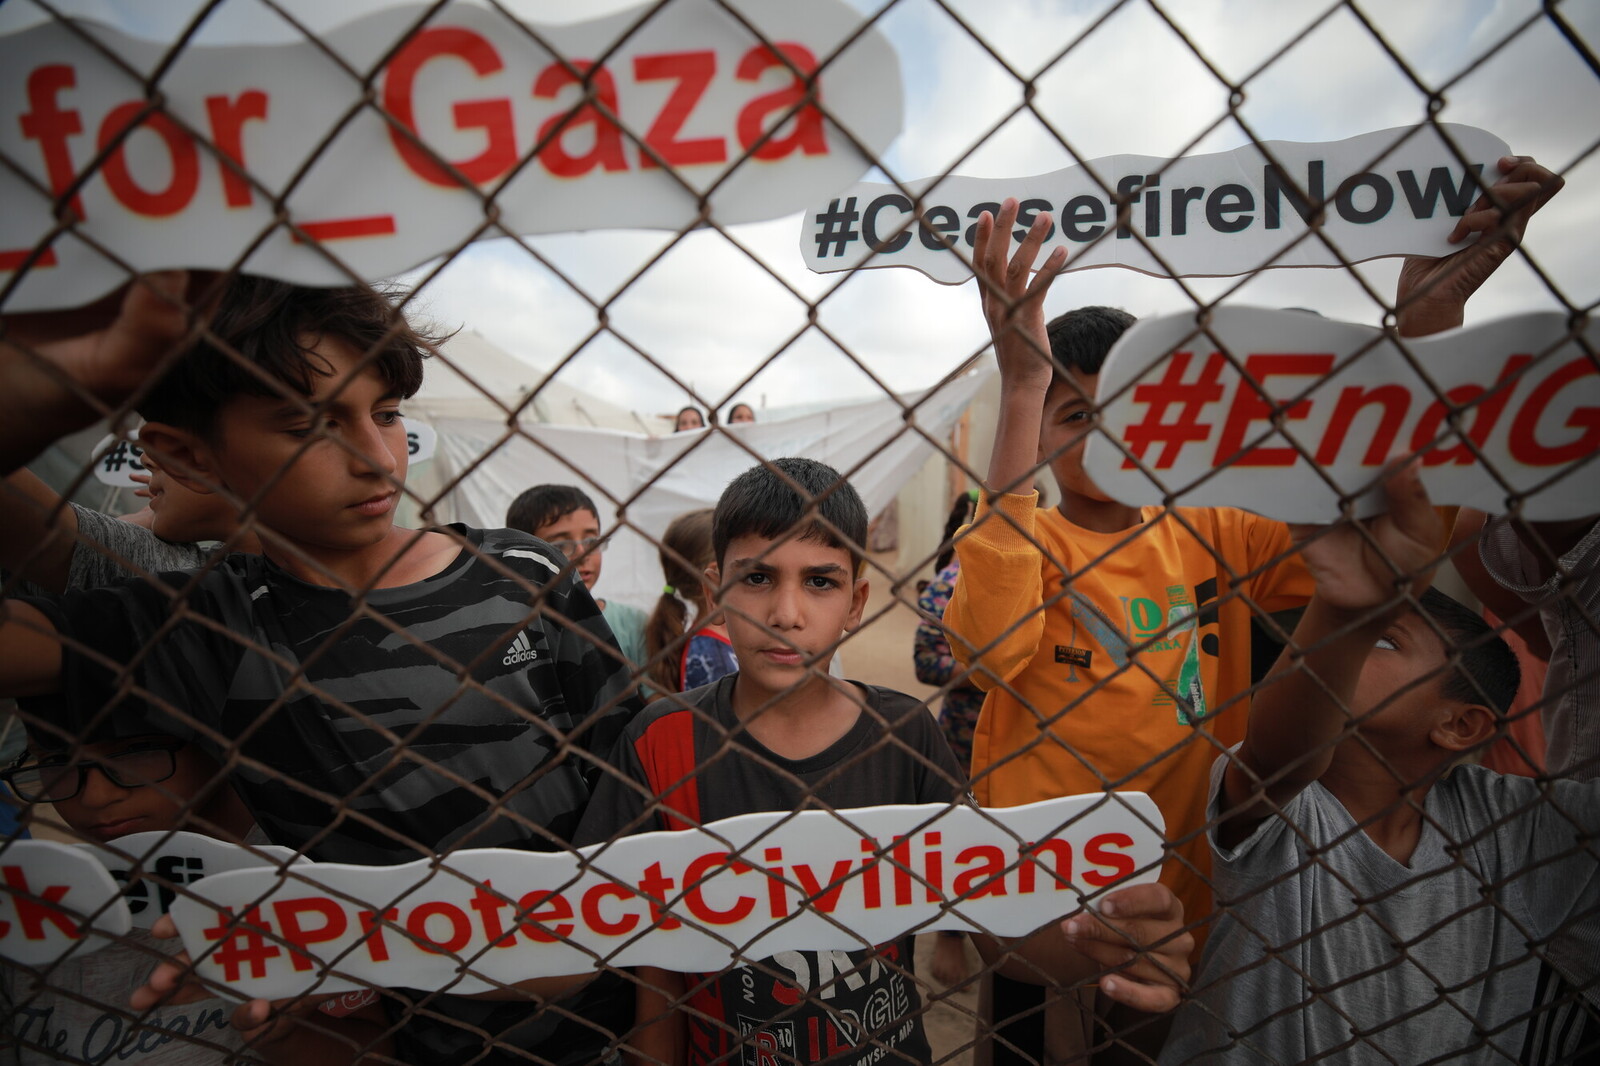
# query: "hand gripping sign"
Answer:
x=477 y=126
x=1284 y=413
x=1379 y=194
x=696 y=900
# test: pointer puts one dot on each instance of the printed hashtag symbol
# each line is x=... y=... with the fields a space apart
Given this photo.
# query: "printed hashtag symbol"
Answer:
x=1160 y=395
x=838 y=227
x=117 y=457
x=255 y=952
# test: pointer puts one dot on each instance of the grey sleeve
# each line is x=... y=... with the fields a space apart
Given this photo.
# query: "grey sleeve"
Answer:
x=110 y=550
x=1569 y=608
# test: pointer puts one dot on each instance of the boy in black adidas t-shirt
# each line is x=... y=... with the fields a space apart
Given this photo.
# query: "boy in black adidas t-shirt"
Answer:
x=380 y=694
x=783 y=735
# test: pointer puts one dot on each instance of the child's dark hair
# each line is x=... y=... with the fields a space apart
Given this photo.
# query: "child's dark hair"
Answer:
x=1081 y=339
x=685 y=553
x=1487 y=672
x=273 y=325
x=961 y=513
x=543 y=504
x=787 y=495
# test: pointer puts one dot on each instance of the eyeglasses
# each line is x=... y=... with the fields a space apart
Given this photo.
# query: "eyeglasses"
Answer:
x=57 y=779
x=574 y=548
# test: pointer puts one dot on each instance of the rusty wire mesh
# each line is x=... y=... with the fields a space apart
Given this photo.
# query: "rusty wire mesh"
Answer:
x=253 y=738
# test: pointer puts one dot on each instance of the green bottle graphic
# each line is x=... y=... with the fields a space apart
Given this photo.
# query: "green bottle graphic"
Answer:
x=1191 y=689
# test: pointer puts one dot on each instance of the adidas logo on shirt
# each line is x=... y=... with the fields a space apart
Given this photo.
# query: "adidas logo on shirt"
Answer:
x=521 y=651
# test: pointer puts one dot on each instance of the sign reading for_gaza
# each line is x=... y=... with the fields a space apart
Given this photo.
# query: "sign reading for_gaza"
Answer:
x=1282 y=413
x=697 y=900
x=476 y=127
x=1380 y=194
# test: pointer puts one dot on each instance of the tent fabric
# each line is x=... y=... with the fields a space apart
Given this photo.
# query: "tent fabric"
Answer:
x=641 y=482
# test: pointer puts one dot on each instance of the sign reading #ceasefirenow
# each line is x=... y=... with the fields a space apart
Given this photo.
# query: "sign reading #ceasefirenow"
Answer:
x=1393 y=192
x=696 y=900
x=476 y=127
x=1283 y=413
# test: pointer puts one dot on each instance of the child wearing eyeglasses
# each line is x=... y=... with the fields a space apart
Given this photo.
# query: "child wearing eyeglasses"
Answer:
x=566 y=518
x=66 y=1011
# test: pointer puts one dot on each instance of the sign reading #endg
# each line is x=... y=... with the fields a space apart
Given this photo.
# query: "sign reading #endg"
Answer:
x=1393 y=192
x=697 y=900
x=477 y=127
x=1283 y=413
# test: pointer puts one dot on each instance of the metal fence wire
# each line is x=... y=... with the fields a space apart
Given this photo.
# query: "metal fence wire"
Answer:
x=347 y=717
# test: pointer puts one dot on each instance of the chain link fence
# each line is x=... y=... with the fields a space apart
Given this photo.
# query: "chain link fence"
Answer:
x=460 y=690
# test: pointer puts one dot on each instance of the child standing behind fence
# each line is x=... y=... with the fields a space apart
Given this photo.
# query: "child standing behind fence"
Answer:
x=781 y=734
x=678 y=664
x=400 y=694
x=1383 y=903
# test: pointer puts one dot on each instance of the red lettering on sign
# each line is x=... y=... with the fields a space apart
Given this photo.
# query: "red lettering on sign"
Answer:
x=871 y=871
x=601 y=92
x=288 y=913
x=1396 y=402
x=545 y=908
x=32 y=913
x=777 y=887
x=372 y=932
x=1030 y=860
x=1097 y=851
x=986 y=880
x=655 y=887
x=185 y=159
x=492 y=116
x=900 y=855
x=334 y=229
x=933 y=866
x=824 y=900
x=693 y=72
x=597 y=921
x=807 y=135
x=46 y=123
x=488 y=905
x=1526 y=448
x=1250 y=405
x=13 y=259
x=1484 y=417
x=460 y=927
x=1173 y=389
x=243 y=943
x=701 y=868
x=227 y=131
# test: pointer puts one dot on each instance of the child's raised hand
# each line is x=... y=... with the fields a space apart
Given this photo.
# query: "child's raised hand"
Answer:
x=1013 y=303
x=1136 y=935
x=1361 y=566
x=1433 y=293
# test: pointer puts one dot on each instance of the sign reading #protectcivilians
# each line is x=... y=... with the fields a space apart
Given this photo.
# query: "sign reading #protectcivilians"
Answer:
x=1388 y=193
x=492 y=128
x=697 y=900
x=1234 y=416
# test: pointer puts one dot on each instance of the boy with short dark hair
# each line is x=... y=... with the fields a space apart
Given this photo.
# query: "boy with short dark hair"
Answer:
x=1383 y=903
x=566 y=518
x=384 y=694
x=781 y=734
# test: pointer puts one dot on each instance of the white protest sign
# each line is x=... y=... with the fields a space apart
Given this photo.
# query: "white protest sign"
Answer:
x=1393 y=192
x=48 y=891
x=696 y=900
x=116 y=461
x=421 y=440
x=1181 y=422
x=477 y=127
x=147 y=865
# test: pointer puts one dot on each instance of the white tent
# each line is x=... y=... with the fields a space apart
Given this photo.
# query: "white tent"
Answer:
x=641 y=481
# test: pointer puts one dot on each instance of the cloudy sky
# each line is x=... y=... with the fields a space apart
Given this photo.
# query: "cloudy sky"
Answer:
x=1130 y=84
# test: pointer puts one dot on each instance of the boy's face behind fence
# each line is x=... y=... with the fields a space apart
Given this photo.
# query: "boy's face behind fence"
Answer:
x=151 y=781
x=787 y=603
x=1068 y=419
x=326 y=484
x=569 y=533
x=1403 y=682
